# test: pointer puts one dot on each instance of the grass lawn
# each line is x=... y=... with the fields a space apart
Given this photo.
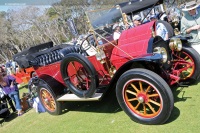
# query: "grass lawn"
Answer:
x=107 y=117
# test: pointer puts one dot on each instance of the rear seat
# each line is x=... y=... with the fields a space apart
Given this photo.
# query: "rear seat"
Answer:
x=50 y=57
x=72 y=49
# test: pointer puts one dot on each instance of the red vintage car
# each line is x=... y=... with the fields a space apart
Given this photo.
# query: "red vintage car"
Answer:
x=140 y=66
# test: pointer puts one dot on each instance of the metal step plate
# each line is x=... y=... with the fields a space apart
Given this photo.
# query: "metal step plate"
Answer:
x=73 y=97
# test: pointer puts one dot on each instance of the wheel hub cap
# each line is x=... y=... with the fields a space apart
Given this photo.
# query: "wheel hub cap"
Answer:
x=46 y=100
x=141 y=99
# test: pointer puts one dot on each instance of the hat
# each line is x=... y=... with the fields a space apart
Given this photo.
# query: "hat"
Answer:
x=136 y=17
x=190 y=5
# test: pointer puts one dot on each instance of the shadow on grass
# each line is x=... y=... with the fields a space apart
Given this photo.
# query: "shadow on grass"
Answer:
x=181 y=93
x=12 y=116
x=108 y=104
x=22 y=86
x=174 y=115
x=178 y=93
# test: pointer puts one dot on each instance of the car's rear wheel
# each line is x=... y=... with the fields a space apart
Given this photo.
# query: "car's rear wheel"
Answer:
x=79 y=75
x=187 y=61
x=48 y=99
x=144 y=96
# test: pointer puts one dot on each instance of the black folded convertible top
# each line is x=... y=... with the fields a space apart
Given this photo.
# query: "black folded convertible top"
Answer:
x=33 y=49
x=23 y=57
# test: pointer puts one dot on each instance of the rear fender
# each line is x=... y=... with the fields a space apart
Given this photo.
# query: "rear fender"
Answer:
x=56 y=87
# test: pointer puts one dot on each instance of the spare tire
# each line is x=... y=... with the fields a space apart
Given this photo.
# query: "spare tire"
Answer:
x=79 y=75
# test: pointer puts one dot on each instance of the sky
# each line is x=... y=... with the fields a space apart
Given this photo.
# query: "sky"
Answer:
x=17 y=4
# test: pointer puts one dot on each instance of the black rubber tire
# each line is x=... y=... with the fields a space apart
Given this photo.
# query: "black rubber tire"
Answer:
x=196 y=57
x=55 y=108
x=88 y=67
x=160 y=86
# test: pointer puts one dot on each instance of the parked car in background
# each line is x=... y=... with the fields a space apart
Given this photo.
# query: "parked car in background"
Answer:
x=25 y=74
x=140 y=66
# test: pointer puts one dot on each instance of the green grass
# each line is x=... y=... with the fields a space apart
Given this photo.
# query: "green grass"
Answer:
x=107 y=117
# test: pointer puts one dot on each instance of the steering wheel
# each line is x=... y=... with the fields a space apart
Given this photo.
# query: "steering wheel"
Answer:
x=86 y=44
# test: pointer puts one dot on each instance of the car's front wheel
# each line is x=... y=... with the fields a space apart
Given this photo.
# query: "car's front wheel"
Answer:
x=144 y=96
x=48 y=99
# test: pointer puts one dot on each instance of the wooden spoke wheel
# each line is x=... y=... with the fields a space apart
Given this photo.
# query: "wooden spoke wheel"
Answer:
x=48 y=99
x=144 y=96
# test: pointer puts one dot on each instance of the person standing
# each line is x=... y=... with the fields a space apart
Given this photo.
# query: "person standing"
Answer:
x=117 y=32
x=190 y=24
x=161 y=30
x=8 y=67
x=7 y=82
x=13 y=63
x=136 y=20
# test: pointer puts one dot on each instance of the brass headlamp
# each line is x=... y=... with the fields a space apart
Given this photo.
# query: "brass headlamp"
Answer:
x=175 y=44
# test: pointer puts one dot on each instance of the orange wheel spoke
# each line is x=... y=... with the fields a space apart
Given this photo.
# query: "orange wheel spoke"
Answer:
x=135 y=88
x=152 y=109
x=153 y=95
x=149 y=87
x=52 y=104
x=43 y=94
x=137 y=106
x=131 y=92
x=132 y=99
x=141 y=88
x=154 y=102
x=144 y=107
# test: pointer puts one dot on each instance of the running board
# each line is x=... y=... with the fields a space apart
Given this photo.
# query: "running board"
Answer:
x=73 y=97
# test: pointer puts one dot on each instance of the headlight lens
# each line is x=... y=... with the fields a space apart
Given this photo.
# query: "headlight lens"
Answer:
x=175 y=44
x=162 y=51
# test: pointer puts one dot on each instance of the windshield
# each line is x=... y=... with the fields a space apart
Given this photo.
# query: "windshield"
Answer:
x=102 y=20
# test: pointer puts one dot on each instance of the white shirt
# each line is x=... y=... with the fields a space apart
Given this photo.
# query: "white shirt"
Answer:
x=161 y=31
x=2 y=93
x=116 y=35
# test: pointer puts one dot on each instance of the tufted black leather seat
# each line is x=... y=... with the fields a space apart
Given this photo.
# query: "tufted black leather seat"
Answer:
x=54 y=55
x=47 y=58
x=70 y=49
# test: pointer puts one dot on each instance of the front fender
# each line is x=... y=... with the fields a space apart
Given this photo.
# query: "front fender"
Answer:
x=183 y=37
x=151 y=58
x=154 y=58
